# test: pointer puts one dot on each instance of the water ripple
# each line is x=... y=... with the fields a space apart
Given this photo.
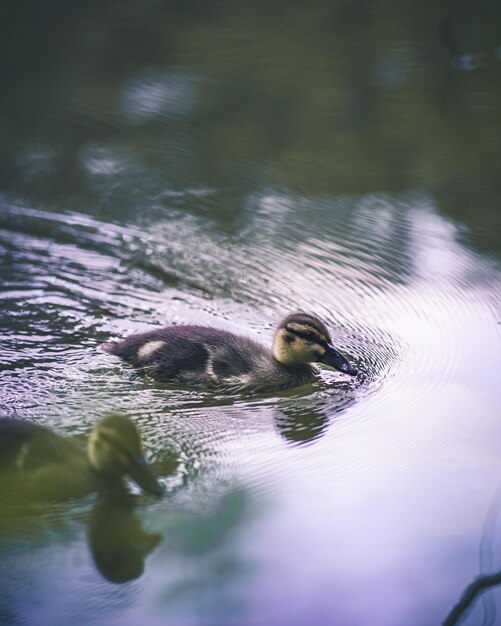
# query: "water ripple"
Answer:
x=388 y=276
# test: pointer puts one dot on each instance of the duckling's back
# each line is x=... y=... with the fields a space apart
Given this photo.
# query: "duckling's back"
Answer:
x=17 y=437
x=37 y=464
x=191 y=354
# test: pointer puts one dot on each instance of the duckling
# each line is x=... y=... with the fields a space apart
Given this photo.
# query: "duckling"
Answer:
x=38 y=464
x=202 y=356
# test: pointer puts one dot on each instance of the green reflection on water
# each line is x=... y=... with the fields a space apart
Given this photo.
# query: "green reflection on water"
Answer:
x=126 y=106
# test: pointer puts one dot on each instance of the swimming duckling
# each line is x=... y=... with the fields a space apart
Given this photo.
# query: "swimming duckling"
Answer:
x=197 y=355
x=42 y=465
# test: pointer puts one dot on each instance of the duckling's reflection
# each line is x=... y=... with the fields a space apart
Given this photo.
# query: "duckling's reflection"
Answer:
x=117 y=540
x=300 y=423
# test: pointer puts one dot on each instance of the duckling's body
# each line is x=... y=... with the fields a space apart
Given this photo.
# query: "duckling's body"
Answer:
x=38 y=464
x=211 y=357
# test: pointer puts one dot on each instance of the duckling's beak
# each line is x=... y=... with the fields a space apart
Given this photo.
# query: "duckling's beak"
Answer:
x=336 y=360
x=141 y=473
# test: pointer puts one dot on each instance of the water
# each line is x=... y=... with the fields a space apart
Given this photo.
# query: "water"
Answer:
x=138 y=194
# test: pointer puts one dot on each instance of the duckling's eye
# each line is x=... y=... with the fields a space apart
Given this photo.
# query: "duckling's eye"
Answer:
x=309 y=336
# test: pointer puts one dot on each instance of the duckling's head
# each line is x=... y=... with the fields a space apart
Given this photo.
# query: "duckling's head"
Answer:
x=302 y=338
x=114 y=449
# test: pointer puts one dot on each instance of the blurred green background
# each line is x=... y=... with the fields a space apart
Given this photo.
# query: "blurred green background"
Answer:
x=334 y=97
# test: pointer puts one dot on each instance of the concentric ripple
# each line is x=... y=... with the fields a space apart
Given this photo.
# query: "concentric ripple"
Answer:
x=387 y=275
x=347 y=459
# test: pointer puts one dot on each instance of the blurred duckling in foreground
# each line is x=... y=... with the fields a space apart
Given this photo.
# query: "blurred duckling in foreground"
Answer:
x=38 y=464
x=202 y=356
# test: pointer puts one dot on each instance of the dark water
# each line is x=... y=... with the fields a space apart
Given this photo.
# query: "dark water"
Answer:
x=226 y=163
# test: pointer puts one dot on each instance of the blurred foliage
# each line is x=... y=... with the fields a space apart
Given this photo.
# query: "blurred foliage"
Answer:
x=115 y=103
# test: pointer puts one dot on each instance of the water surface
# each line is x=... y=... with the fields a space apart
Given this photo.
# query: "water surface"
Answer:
x=143 y=188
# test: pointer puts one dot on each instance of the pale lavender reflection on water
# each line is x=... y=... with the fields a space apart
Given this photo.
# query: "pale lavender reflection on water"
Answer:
x=376 y=517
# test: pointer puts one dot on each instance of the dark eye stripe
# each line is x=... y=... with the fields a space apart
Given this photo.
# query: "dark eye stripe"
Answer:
x=107 y=438
x=309 y=335
x=114 y=443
